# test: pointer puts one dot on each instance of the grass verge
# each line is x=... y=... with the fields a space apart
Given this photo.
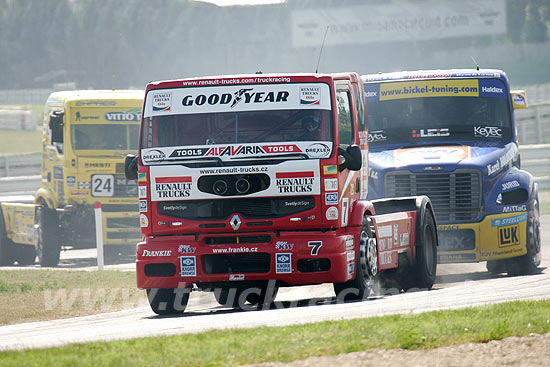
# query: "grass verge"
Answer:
x=284 y=344
x=20 y=141
x=34 y=295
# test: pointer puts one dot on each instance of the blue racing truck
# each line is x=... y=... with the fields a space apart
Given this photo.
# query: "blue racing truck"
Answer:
x=451 y=135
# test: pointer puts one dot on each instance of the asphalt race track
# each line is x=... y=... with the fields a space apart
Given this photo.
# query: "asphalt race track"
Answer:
x=456 y=286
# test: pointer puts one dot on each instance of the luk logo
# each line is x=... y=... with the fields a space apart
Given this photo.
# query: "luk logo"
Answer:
x=162 y=101
x=508 y=236
x=428 y=133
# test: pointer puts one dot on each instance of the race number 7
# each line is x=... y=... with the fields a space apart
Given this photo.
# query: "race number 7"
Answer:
x=315 y=246
x=103 y=185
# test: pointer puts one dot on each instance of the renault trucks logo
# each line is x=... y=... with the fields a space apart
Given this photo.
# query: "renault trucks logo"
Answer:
x=235 y=222
x=162 y=101
x=244 y=95
x=123 y=116
x=310 y=95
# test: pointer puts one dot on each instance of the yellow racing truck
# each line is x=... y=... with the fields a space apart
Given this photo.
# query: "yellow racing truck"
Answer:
x=86 y=135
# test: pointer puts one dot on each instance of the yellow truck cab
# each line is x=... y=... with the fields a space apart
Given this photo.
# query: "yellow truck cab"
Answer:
x=86 y=135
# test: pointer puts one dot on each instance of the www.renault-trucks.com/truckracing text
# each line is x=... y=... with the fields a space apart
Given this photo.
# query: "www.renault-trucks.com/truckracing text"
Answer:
x=451 y=134
x=249 y=183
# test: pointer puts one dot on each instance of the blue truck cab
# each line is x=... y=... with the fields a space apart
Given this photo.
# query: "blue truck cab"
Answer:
x=451 y=135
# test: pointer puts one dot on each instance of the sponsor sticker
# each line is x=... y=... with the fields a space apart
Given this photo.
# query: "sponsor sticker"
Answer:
x=514 y=208
x=330 y=170
x=186 y=249
x=161 y=101
x=153 y=155
x=71 y=182
x=351 y=267
x=349 y=243
x=500 y=222
x=142 y=190
x=384 y=231
x=331 y=198
x=331 y=213
x=385 y=258
x=331 y=184
x=156 y=253
x=142 y=177
x=295 y=182
x=143 y=221
x=488 y=131
x=350 y=255
x=143 y=206
x=508 y=236
x=188 y=266
x=395 y=234
x=236 y=276
x=283 y=245
x=404 y=239
x=318 y=150
x=283 y=263
x=510 y=185
x=58 y=172
x=172 y=187
x=131 y=115
x=310 y=95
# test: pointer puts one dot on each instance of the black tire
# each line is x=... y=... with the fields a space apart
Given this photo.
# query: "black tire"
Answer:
x=168 y=301
x=7 y=248
x=496 y=266
x=366 y=268
x=26 y=254
x=47 y=243
x=422 y=273
x=528 y=263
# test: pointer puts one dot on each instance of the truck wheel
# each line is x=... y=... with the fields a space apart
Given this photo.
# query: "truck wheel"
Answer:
x=422 y=273
x=7 y=248
x=366 y=268
x=47 y=236
x=496 y=266
x=528 y=263
x=26 y=254
x=168 y=301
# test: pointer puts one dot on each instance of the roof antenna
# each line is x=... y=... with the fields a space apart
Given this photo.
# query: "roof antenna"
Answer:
x=475 y=62
x=321 y=50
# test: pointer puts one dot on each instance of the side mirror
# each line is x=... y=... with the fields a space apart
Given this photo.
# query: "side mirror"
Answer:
x=519 y=99
x=56 y=120
x=131 y=167
x=350 y=158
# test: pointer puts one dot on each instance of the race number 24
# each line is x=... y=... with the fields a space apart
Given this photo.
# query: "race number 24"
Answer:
x=103 y=185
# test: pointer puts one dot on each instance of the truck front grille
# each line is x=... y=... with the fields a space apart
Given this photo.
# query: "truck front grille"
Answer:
x=455 y=196
x=253 y=208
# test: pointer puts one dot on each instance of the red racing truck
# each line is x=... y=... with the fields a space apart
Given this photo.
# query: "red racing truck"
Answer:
x=249 y=183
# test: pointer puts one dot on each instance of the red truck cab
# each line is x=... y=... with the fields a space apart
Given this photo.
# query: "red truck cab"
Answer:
x=248 y=183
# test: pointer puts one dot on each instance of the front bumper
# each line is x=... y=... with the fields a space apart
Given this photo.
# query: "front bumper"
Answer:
x=293 y=258
x=499 y=236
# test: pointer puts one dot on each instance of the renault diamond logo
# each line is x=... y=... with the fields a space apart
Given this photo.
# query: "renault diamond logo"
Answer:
x=235 y=222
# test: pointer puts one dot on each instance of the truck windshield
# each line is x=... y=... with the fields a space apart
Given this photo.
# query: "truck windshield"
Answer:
x=105 y=136
x=406 y=114
x=237 y=128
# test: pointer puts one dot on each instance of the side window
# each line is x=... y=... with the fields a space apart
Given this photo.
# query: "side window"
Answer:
x=56 y=126
x=360 y=103
x=345 y=120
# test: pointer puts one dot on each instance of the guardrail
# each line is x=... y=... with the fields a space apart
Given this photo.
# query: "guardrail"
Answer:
x=534 y=159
